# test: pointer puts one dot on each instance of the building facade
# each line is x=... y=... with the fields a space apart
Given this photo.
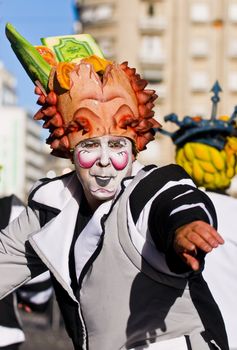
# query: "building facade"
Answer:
x=180 y=46
x=22 y=156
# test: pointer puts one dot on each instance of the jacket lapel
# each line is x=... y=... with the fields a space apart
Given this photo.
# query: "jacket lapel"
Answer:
x=52 y=242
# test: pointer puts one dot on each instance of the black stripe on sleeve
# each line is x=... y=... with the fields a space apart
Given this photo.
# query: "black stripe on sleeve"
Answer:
x=151 y=184
x=162 y=224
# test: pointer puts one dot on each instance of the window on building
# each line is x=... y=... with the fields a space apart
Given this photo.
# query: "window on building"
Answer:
x=199 y=12
x=103 y=12
x=232 y=81
x=232 y=48
x=199 y=47
x=107 y=46
x=160 y=88
x=8 y=96
x=87 y=14
x=199 y=81
x=151 y=10
x=94 y=14
x=153 y=75
x=152 y=49
x=232 y=12
x=150 y=18
x=199 y=109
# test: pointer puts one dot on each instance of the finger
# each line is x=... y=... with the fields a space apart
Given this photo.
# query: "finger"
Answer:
x=190 y=239
x=208 y=232
x=201 y=240
x=208 y=235
x=191 y=261
x=181 y=244
x=217 y=236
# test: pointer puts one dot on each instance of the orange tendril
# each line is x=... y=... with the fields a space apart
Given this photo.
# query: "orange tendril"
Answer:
x=99 y=64
x=63 y=70
x=145 y=98
x=47 y=54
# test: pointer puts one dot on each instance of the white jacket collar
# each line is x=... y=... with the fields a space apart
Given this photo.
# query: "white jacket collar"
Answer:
x=52 y=242
x=58 y=192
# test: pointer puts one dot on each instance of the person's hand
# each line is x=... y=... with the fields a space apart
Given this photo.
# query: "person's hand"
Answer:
x=195 y=236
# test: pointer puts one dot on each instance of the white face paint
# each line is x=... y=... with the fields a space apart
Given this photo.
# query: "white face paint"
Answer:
x=101 y=164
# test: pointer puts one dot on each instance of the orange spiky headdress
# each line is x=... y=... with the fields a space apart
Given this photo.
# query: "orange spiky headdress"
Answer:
x=116 y=104
x=86 y=97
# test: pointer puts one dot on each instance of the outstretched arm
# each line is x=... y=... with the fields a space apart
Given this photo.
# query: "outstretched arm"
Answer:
x=177 y=206
x=193 y=237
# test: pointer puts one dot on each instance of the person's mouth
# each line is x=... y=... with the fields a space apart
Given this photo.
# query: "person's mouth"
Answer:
x=102 y=181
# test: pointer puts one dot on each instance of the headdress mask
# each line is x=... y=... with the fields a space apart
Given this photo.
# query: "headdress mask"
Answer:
x=87 y=97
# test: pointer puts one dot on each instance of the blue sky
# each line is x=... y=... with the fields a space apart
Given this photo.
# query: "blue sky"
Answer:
x=33 y=19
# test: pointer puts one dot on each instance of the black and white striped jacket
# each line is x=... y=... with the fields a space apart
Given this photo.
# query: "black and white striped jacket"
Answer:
x=164 y=199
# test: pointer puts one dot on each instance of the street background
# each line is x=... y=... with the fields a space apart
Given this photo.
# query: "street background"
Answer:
x=45 y=331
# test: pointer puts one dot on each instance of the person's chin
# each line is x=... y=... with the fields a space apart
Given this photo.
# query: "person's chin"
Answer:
x=103 y=194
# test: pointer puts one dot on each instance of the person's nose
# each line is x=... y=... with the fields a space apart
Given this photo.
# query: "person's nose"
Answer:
x=104 y=159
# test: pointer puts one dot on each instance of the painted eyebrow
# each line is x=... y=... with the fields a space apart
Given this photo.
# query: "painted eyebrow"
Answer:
x=84 y=143
x=87 y=142
x=118 y=141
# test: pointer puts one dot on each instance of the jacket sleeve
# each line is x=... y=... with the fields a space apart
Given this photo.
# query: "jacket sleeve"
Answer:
x=179 y=203
x=18 y=261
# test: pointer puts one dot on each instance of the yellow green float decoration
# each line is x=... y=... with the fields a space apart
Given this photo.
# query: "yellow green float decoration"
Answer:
x=207 y=148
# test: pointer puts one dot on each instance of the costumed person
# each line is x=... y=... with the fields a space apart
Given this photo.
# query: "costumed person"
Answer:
x=11 y=333
x=124 y=243
x=207 y=150
x=33 y=296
